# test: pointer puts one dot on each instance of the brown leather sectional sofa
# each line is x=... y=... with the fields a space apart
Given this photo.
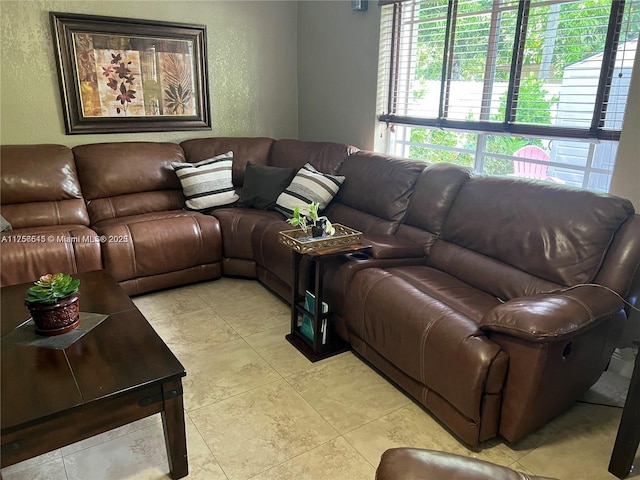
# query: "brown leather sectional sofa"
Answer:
x=494 y=302
x=416 y=463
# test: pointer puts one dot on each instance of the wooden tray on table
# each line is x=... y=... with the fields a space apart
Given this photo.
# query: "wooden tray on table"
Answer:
x=303 y=242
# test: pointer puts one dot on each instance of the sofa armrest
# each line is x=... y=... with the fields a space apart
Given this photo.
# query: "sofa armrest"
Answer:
x=552 y=316
x=392 y=246
x=407 y=463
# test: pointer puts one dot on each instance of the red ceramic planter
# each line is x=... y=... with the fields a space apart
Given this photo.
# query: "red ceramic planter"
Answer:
x=56 y=318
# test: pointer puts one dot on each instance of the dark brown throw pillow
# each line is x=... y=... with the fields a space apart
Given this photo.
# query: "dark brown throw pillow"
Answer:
x=263 y=185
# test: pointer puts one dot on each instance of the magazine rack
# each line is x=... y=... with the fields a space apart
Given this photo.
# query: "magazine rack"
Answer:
x=311 y=330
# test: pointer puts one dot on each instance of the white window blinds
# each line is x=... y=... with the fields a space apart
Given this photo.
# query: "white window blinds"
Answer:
x=548 y=68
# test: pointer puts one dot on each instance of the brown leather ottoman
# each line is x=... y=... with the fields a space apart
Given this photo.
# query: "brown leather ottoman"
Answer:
x=419 y=464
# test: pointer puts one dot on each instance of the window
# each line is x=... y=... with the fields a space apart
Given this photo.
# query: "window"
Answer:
x=529 y=88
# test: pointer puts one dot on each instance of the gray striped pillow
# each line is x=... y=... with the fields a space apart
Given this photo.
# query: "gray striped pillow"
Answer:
x=208 y=183
x=309 y=185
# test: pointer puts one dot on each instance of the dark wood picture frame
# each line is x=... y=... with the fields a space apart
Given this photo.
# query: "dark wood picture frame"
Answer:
x=128 y=75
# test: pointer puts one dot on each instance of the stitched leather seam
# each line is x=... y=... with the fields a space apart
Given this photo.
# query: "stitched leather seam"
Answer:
x=423 y=342
x=71 y=253
x=57 y=209
x=133 y=250
x=546 y=335
x=236 y=221
x=197 y=223
x=635 y=272
x=365 y=295
x=111 y=207
x=425 y=394
x=581 y=303
x=234 y=228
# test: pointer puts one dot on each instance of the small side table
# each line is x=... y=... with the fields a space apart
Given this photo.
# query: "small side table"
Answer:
x=316 y=350
x=628 y=438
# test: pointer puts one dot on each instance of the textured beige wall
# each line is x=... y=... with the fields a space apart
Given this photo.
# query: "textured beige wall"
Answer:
x=252 y=57
x=337 y=72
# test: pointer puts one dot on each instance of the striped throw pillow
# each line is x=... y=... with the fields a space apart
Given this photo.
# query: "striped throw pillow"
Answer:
x=309 y=185
x=208 y=183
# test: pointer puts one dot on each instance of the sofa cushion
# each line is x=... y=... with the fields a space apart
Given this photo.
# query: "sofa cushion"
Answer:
x=38 y=173
x=263 y=185
x=308 y=186
x=40 y=186
x=52 y=248
x=434 y=193
x=269 y=253
x=552 y=232
x=129 y=178
x=237 y=225
x=245 y=149
x=425 y=323
x=181 y=239
x=392 y=179
x=324 y=156
x=121 y=168
x=207 y=184
x=485 y=273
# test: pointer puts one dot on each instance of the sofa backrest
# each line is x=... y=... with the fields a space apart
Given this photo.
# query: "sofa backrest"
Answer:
x=129 y=178
x=432 y=198
x=375 y=194
x=254 y=150
x=513 y=237
x=326 y=157
x=40 y=186
x=621 y=268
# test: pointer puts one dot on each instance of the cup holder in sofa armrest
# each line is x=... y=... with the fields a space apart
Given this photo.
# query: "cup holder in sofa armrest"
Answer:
x=392 y=246
x=358 y=256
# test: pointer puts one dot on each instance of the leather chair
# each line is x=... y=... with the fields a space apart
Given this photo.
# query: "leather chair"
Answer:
x=420 y=464
x=41 y=198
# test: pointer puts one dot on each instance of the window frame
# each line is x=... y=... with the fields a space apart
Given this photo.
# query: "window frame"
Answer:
x=509 y=126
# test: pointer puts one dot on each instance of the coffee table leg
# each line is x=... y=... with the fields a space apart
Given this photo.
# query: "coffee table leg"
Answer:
x=628 y=437
x=174 y=429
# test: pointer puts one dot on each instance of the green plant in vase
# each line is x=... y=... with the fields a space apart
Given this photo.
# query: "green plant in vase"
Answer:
x=320 y=225
x=53 y=301
x=51 y=288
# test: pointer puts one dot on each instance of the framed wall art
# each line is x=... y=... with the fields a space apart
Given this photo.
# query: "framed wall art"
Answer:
x=127 y=75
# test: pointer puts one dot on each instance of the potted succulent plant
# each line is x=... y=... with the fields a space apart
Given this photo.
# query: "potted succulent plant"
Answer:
x=320 y=225
x=53 y=302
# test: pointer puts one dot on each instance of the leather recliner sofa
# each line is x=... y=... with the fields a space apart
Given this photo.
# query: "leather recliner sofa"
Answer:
x=494 y=302
x=415 y=463
x=43 y=202
x=117 y=206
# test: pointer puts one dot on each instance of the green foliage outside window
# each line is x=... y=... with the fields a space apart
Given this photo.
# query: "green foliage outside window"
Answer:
x=558 y=35
x=445 y=139
x=534 y=107
x=581 y=20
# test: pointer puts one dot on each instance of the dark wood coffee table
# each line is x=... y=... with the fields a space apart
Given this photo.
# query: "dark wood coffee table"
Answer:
x=117 y=373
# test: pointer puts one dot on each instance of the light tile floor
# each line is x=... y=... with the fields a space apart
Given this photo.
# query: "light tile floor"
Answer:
x=257 y=409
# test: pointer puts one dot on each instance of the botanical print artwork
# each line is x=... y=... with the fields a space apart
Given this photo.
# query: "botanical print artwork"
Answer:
x=86 y=65
x=118 y=75
x=119 y=84
x=85 y=59
x=177 y=84
x=131 y=83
